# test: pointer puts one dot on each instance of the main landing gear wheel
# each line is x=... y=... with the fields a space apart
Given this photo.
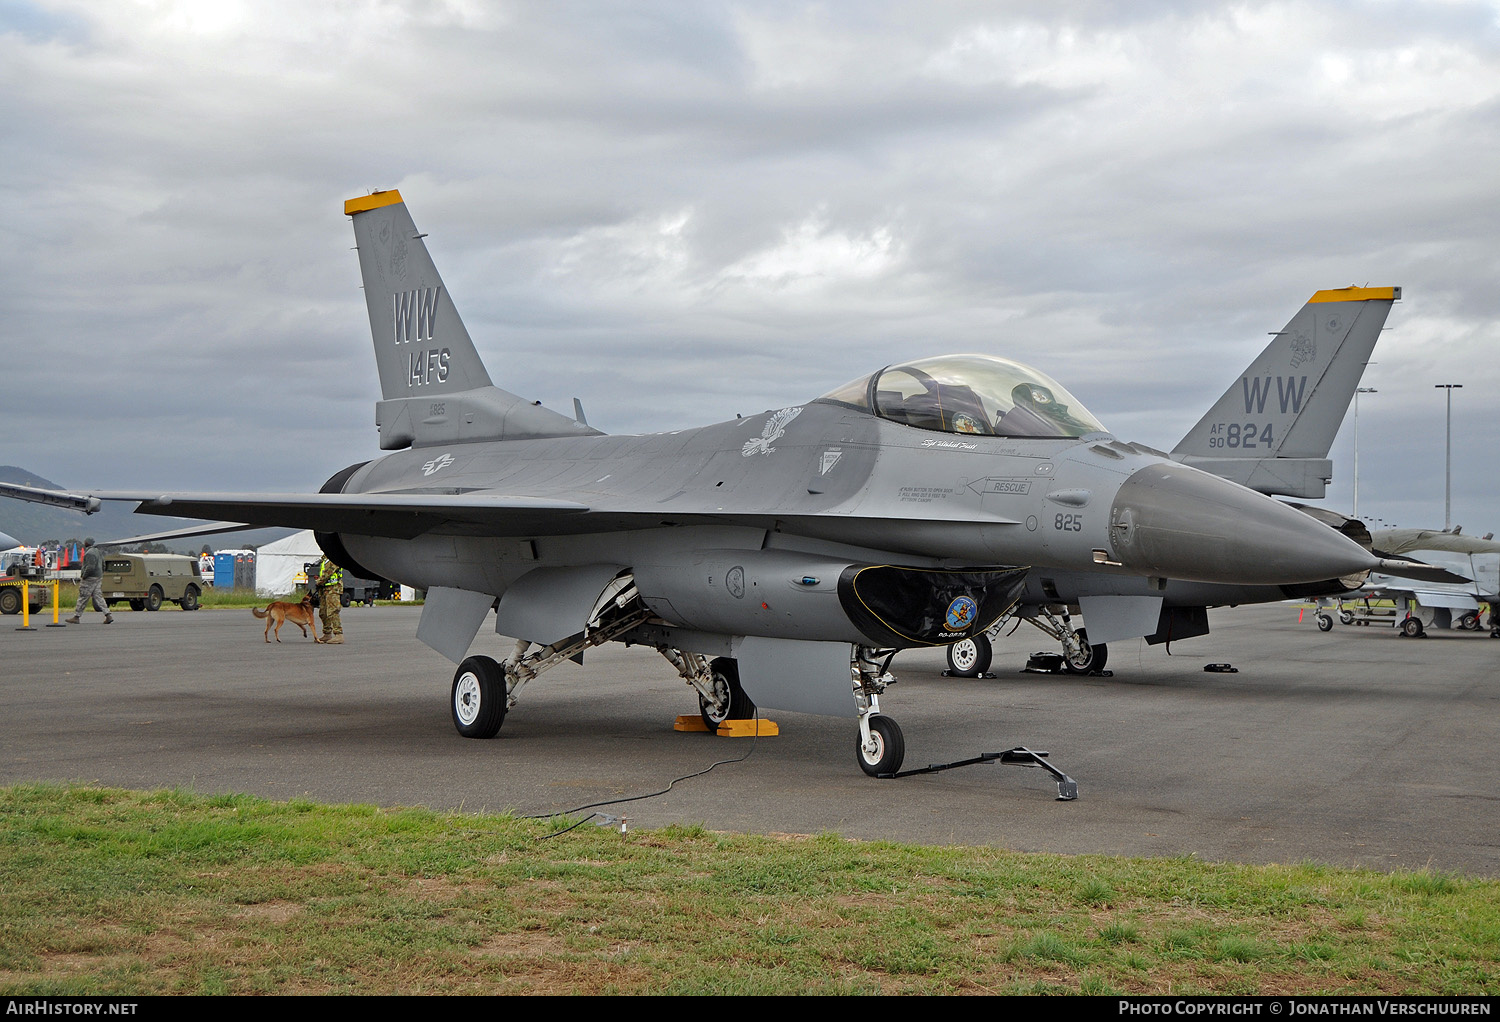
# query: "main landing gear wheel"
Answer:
x=730 y=701
x=1088 y=658
x=1411 y=628
x=1469 y=622
x=478 y=702
x=886 y=750
x=1325 y=623
x=969 y=658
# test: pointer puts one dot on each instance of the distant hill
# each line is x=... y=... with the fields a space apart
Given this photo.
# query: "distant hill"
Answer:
x=37 y=523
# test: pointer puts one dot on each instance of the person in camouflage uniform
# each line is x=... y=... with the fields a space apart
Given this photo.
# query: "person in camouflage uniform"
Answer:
x=330 y=583
x=90 y=581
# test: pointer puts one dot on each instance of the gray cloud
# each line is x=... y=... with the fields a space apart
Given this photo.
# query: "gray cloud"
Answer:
x=679 y=212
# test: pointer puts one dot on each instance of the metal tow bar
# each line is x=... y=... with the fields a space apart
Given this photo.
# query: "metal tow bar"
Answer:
x=1067 y=788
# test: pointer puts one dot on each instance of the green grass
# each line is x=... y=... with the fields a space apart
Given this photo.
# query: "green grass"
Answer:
x=114 y=892
x=212 y=598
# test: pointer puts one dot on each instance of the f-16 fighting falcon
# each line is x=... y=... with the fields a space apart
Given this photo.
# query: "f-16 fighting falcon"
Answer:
x=777 y=560
x=1271 y=430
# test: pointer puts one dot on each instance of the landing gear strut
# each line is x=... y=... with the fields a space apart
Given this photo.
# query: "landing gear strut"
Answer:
x=729 y=701
x=971 y=658
x=880 y=746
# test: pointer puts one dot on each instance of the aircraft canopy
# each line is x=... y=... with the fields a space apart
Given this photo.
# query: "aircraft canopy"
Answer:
x=981 y=394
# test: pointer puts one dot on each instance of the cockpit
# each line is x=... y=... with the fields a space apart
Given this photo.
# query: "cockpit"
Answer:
x=975 y=394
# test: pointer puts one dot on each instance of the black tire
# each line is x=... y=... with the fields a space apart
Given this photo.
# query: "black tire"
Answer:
x=1411 y=628
x=1325 y=623
x=137 y=604
x=344 y=600
x=10 y=600
x=889 y=751
x=189 y=599
x=730 y=701
x=478 y=697
x=969 y=658
x=1089 y=659
x=1346 y=616
x=1469 y=622
x=153 y=598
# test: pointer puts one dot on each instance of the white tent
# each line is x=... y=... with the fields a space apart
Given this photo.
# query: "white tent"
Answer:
x=278 y=564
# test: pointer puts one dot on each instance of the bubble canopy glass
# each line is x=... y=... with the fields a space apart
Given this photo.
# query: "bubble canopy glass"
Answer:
x=975 y=394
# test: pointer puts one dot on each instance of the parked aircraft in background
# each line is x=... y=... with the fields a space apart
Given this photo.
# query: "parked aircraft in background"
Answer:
x=1271 y=431
x=1473 y=561
x=777 y=560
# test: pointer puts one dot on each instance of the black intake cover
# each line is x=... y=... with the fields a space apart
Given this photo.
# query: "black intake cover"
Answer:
x=900 y=607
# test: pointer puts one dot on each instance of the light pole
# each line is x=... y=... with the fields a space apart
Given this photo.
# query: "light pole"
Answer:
x=1357 y=392
x=1448 y=456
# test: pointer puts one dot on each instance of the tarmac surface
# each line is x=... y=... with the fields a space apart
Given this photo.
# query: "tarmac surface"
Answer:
x=1354 y=747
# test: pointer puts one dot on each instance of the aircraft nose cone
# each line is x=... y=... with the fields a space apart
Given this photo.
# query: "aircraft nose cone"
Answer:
x=1179 y=522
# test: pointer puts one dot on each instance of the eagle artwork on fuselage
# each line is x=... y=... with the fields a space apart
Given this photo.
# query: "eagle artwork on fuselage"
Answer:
x=776 y=560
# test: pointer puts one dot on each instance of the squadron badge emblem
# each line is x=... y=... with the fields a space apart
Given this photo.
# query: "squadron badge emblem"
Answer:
x=961 y=613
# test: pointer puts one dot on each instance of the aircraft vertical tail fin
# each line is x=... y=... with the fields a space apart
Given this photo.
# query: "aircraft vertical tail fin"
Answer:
x=434 y=386
x=1273 y=428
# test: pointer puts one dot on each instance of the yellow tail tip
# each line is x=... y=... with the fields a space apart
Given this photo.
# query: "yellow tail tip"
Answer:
x=373 y=201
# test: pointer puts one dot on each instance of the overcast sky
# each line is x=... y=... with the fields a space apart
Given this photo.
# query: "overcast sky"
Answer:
x=680 y=211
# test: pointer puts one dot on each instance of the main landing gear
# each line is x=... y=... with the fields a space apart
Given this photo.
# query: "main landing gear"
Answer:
x=484 y=690
x=970 y=658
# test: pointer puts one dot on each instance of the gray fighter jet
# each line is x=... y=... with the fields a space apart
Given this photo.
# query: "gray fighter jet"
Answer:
x=1271 y=430
x=1474 y=564
x=776 y=560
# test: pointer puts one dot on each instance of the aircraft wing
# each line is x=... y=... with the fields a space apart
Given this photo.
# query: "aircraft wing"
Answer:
x=407 y=515
x=1445 y=598
x=397 y=515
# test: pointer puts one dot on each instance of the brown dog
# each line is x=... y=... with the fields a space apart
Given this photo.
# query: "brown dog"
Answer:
x=299 y=614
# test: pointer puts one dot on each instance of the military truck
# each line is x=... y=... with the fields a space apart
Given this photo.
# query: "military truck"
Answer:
x=37 y=594
x=146 y=581
x=17 y=566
